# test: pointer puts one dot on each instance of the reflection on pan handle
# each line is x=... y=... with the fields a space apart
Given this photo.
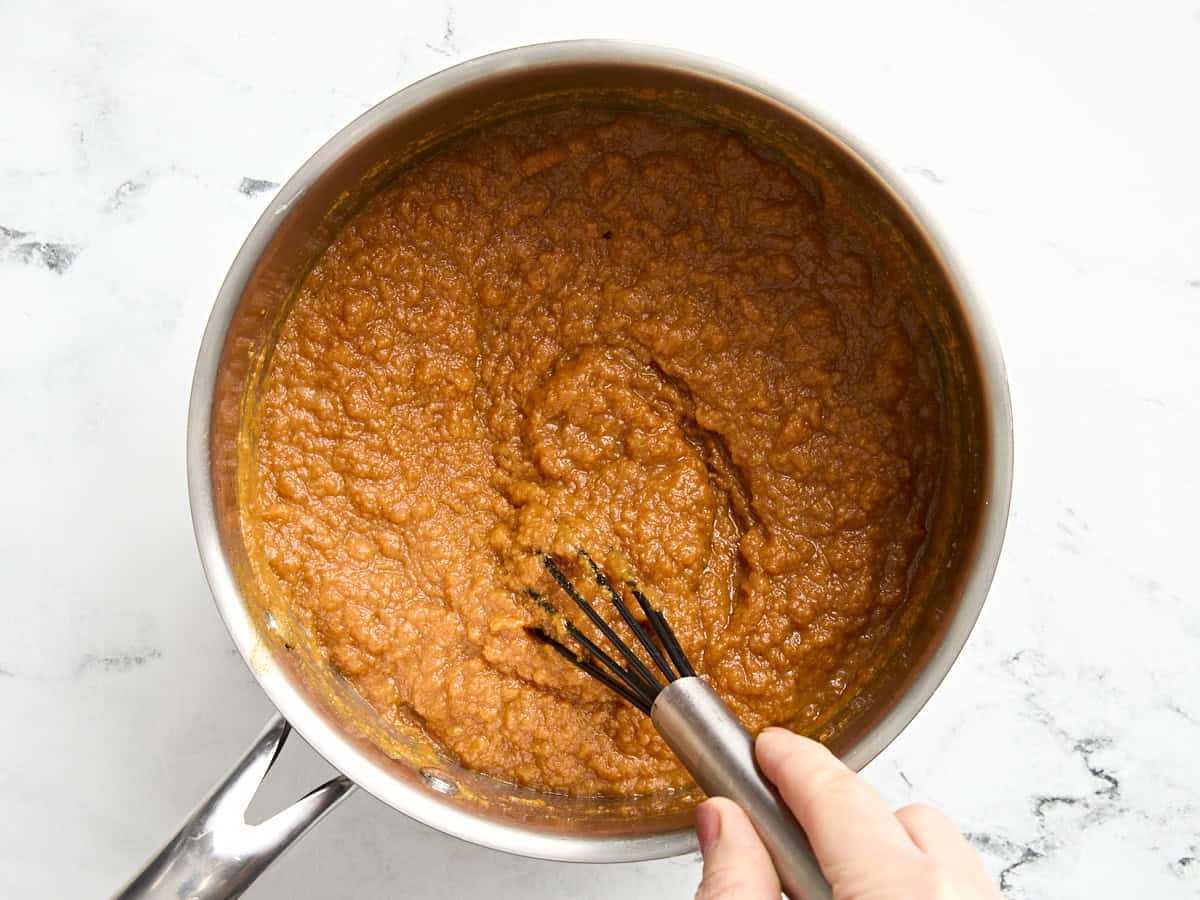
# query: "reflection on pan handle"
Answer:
x=216 y=854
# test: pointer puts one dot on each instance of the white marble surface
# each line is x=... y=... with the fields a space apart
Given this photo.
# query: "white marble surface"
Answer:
x=1057 y=144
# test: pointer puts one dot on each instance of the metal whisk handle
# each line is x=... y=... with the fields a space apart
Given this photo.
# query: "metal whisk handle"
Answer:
x=719 y=752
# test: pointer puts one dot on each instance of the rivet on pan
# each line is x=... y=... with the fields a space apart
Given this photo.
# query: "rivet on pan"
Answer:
x=439 y=781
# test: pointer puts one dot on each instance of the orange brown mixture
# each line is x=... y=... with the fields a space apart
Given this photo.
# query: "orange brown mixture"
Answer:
x=634 y=334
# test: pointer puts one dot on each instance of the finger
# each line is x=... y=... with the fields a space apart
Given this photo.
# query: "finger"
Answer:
x=938 y=837
x=736 y=864
x=846 y=820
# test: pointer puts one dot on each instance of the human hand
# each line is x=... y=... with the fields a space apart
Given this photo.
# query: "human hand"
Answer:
x=866 y=851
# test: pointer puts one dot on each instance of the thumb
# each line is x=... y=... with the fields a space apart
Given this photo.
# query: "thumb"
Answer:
x=736 y=864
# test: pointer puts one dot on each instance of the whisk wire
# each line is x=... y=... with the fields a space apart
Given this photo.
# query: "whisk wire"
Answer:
x=664 y=632
x=643 y=690
x=635 y=682
x=588 y=610
x=593 y=670
x=627 y=615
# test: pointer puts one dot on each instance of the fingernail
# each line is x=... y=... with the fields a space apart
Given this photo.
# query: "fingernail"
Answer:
x=770 y=737
x=774 y=731
x=708 y=826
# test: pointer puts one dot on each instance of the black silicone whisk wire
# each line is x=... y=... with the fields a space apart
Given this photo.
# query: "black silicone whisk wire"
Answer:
x=632 y=679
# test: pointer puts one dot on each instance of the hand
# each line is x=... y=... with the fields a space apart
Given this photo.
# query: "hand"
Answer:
x=865 y=851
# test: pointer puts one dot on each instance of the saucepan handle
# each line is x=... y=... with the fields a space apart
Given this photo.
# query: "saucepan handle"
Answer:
x=216 y=854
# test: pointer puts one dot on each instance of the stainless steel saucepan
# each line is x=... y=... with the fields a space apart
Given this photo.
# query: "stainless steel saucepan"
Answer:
x=215 y=853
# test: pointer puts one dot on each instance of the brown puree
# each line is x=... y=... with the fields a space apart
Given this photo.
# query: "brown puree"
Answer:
x=636 y=334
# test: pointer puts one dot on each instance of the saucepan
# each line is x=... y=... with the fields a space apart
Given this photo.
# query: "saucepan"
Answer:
x=216 y=853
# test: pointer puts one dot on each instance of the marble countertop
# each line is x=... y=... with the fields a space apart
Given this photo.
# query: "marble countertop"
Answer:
x=1056 y=144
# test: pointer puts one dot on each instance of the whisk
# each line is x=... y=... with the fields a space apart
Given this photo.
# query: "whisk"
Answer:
x=695 y=723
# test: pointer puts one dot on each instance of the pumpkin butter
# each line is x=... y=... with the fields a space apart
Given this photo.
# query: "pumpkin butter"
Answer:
x=635 y=334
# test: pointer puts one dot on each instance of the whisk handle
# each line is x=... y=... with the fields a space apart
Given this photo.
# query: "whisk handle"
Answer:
x=719 y=752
